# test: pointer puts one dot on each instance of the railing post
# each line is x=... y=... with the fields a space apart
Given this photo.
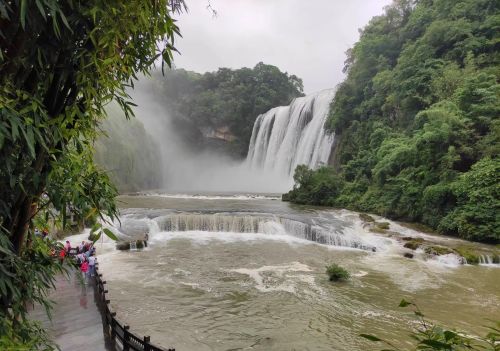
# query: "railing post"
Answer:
x=113 y=326
x=126 y=338
x=101 y=289
x=147 y=346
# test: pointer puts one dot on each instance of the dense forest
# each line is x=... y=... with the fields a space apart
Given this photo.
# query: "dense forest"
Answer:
x=211 y=111
x=228 y=100
x=416 y=120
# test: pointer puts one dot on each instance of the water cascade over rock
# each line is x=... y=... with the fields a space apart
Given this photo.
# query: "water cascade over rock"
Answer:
x=288 y=136
x=245 y=223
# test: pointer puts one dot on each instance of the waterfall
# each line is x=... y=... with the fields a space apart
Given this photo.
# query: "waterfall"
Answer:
x=244 y=223
x=489 y=259
x=288 y=136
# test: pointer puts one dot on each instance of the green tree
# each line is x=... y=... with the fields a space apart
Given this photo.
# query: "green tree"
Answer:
x=60 y=64
x=417 y=119
x=227 y=98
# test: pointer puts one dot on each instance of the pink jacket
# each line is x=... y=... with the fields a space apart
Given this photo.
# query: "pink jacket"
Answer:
x=84 y=267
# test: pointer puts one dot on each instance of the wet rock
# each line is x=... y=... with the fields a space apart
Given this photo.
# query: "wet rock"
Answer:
x=366 y=217
x=382 y=225
x=408 y=255
x=414 y=243
x=125 y=245
x=438 y=250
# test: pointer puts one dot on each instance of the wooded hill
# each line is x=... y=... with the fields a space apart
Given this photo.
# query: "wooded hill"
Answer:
x=228 y=99
x=417 y=120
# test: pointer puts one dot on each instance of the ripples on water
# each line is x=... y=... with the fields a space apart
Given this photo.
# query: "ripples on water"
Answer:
x=223 y=290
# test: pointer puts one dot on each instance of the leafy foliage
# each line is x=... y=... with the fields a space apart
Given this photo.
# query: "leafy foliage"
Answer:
x=61 y=62
x=428 y=336
x=417 y=119
x=336 y=272
x=226 y=98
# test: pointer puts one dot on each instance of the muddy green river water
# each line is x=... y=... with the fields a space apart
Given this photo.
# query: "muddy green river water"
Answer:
x=248 y=273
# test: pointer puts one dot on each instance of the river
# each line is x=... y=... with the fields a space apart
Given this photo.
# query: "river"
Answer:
x=234 y=272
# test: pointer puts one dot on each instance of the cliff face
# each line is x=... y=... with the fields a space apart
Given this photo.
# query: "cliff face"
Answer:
x=128 y=153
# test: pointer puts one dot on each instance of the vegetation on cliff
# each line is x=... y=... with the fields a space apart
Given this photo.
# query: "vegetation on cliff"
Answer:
x=417 y=120
x=128 y=153
x=228 y=99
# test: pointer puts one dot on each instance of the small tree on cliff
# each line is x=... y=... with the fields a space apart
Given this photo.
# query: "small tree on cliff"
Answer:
x=60 y=63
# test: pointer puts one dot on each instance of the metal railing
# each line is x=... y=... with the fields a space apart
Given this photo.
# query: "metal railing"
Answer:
x=118 y=333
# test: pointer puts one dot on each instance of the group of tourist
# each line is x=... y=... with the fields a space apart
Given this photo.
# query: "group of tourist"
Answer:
x=85 y=258
x=84 y=254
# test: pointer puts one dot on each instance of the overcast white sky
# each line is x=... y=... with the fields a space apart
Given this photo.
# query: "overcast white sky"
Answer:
x=303 y=37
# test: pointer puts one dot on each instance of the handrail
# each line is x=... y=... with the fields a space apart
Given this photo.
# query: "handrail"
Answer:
x=116 y=331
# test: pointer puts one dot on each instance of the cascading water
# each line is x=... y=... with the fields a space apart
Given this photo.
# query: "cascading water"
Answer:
x=244 y=223
x=288 y=136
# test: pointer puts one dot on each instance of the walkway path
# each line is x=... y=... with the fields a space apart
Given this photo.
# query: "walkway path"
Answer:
x=76 y=320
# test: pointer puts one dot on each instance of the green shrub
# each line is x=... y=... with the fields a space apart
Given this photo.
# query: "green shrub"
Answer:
x=470 y=256
x=337 y=273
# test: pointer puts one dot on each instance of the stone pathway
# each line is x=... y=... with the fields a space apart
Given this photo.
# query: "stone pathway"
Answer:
x=76 y=320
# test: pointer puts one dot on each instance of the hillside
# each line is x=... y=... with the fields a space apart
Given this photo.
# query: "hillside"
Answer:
x=416 y=120
x=220 y=107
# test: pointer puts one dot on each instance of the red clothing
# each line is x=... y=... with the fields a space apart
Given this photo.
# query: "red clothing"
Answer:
x=62 y=253
x=84 y=267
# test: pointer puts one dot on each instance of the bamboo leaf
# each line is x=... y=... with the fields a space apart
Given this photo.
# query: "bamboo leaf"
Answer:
x=41 y=9
x=404 y=303
x=436 y=344
x=370 y=337
x=24 y=6
x=110 y=234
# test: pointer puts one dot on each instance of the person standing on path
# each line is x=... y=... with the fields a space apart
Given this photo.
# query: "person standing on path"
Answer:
x=92 y=260
x=84 y=268
x=67 y=246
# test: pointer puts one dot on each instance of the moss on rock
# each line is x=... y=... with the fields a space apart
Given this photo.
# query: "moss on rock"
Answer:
x=470 y=256
x=438 y=250
x=366 y=217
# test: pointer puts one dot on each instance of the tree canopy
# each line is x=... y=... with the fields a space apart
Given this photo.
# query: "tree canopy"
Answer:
x=417 y=119
x=61 y=62
x=230 y=98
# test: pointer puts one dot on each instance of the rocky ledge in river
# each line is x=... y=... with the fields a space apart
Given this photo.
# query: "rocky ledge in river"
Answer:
x=467 y=252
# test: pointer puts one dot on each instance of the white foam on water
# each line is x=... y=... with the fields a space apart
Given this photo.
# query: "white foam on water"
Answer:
x=213 y=197
x=277 y=278
x=410 y=275
x=448 y=260
x=360 y=274
x=204 y=238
